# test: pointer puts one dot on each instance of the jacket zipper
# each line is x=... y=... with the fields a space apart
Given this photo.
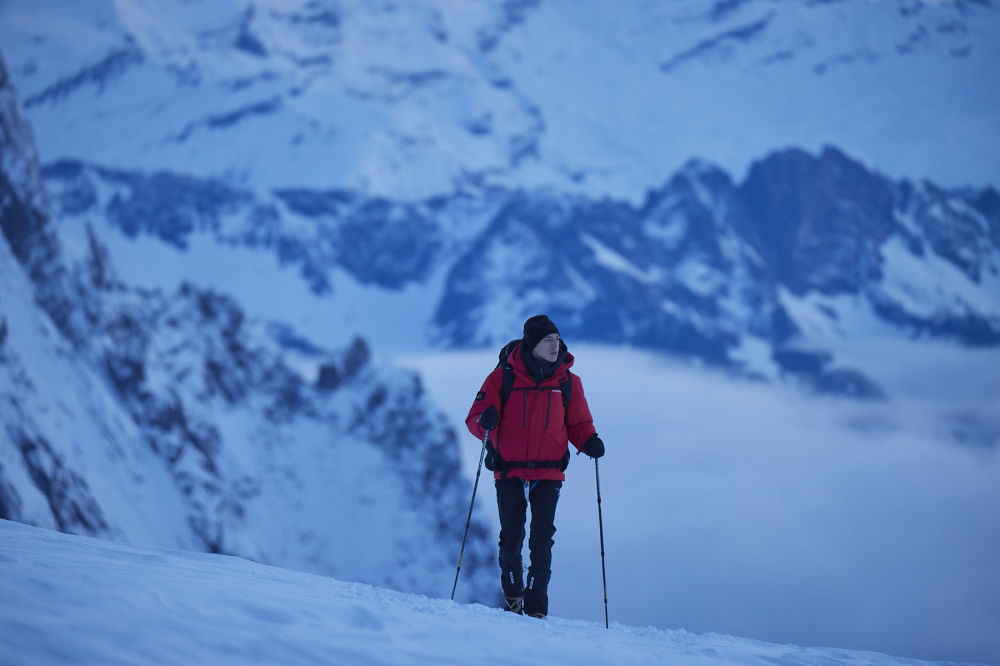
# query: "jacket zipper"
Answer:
x=524 y=403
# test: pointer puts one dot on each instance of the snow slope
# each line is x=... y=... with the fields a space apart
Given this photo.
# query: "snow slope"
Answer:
x=70 y=600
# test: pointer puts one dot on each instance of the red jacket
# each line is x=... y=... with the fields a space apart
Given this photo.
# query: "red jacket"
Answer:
x=533 y=424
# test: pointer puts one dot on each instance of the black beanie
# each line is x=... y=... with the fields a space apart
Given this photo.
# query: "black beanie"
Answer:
x=535 y=329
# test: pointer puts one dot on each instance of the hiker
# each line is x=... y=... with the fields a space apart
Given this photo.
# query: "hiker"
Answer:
x=532 y=405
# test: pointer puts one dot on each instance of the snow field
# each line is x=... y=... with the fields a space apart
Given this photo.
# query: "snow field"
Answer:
x=71 y=600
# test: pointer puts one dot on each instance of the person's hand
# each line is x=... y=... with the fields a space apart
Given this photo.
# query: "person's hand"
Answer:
x=594 y=447
x=488 y=419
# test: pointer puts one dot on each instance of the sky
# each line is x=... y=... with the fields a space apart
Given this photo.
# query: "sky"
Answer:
x=71 y=600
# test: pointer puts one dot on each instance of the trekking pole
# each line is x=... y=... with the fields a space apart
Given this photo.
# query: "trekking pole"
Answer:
x=468 y=520
x=600 y=522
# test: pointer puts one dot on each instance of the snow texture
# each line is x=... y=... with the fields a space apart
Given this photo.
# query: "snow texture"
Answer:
x=71 y=599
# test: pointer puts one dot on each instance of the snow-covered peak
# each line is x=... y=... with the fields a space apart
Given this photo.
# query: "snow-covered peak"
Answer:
x=418 y=98
x=170 y=417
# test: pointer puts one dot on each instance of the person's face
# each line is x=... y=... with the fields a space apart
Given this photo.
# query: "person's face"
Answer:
x=548 y=348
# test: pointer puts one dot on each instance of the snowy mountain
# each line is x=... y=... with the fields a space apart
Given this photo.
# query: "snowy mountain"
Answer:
x=172 y=418
x=244 y=218
x=762 y=276
x=437 y=172
x=413 y=99
x=105 y=602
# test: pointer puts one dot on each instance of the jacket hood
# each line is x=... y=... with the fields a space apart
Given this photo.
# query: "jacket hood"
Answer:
x=517 y=360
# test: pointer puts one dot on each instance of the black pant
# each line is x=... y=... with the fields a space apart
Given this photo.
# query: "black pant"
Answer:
x=543 y=496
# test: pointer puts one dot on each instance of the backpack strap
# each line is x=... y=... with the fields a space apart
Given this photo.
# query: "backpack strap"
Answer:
x=507 y=379
x=506 y=384
x=531 y=464
x=498 y=464
x=566 y=388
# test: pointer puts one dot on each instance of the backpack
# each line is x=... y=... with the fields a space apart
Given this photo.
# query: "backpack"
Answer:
x=493 y=459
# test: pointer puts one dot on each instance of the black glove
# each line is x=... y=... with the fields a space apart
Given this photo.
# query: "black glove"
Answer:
x=594 y=447
x=564 y=461
x=493 y=461
x=488 y=419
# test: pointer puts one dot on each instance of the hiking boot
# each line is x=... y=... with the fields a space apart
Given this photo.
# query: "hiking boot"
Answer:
x=514 y=604
x=535 y=604
x=536 y=598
